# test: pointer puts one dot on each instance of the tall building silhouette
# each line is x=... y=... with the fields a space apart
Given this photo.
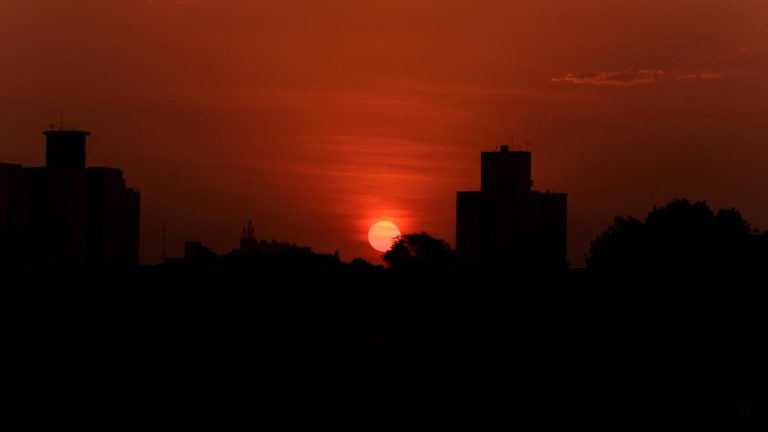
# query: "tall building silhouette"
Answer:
x=66 y=216
x=506 y=222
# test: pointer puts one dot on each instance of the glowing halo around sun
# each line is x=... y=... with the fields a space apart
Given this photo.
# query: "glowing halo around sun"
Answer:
x=382 y=234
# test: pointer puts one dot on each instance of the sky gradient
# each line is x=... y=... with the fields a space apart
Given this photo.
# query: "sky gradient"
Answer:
x=316 y=119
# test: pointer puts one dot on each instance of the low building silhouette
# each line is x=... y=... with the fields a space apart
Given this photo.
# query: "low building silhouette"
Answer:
x=66 y=216
x=249 y=245
x=506 y=222
x=196 y=253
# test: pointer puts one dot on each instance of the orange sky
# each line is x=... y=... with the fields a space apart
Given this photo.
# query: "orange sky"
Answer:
x=315 y=118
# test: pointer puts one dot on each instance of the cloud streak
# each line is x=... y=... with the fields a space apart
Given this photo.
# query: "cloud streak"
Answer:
x=166 y=2
x=631 y=78
x=613 y=79
x=702 y=75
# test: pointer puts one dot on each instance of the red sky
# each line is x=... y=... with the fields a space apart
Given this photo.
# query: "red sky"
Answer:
x=315 y=118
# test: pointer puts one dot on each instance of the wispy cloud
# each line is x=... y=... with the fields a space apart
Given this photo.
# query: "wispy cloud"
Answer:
x=614 y=79
x=162 y=2
x=702 y=75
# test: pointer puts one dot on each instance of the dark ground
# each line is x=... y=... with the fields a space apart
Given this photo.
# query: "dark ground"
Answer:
x=252 y=342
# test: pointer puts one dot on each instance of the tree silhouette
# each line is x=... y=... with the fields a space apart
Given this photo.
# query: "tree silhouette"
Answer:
x=418 y=251
x=681 y=239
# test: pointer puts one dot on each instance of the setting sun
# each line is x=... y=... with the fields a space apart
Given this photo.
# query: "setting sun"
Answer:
x=382 y=234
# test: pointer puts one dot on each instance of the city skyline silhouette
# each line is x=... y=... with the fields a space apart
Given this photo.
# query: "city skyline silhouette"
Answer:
x=327 y=120
x=537 y=212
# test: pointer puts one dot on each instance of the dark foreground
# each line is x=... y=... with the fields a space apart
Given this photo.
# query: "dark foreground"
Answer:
x=225 y=346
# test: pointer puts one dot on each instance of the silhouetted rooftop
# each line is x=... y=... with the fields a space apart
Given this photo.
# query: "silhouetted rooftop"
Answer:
x=66 y=132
